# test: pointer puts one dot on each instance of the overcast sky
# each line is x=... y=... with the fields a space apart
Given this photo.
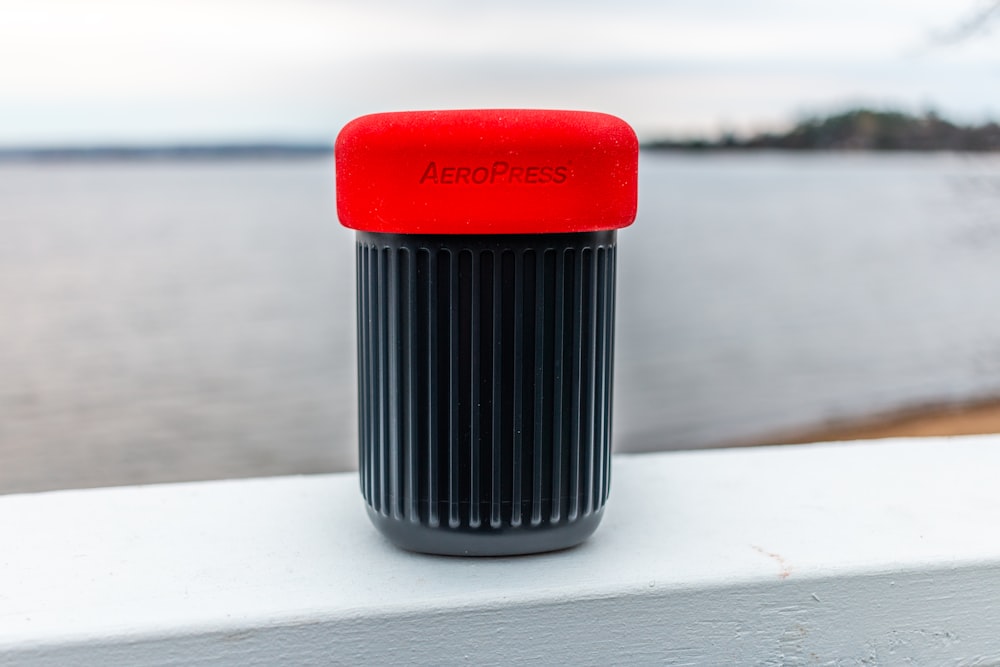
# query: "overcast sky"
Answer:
x=203 y=70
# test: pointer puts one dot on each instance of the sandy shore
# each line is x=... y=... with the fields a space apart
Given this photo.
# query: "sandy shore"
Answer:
x=922 y=421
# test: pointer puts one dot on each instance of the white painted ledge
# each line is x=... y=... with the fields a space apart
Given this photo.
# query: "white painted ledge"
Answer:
x=870 y=553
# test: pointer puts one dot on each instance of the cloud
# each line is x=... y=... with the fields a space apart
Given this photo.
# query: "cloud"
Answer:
x=137 y=69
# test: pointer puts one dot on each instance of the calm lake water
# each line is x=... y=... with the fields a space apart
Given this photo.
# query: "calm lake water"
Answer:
x=171 y=321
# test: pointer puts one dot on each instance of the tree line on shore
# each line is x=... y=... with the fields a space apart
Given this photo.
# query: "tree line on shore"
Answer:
x=858 y=129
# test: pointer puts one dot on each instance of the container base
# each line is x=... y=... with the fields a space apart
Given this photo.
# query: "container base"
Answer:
x=507 y=541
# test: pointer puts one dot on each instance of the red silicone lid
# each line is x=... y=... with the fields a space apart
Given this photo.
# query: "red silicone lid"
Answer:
x=489 y=171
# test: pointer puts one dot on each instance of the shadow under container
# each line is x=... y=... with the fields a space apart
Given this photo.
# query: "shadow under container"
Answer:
x=486 y=316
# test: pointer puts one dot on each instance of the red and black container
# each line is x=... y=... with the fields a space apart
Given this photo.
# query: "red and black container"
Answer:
x=486 y=261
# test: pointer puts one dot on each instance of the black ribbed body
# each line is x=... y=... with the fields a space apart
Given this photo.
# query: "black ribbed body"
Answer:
x=485 y=368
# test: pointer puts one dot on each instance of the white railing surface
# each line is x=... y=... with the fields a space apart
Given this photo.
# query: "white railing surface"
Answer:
x=843 y=554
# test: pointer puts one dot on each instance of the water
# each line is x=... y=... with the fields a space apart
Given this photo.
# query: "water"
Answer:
x=786 y=290
x=171 y=321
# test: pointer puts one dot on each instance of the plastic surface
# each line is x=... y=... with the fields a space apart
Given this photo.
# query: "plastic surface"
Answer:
x=494 y=171
x=485 y=388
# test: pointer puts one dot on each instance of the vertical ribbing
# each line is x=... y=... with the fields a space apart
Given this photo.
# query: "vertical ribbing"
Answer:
x=496 y=492
x=386 y=447
x=575 y=445
x=559 y=353
x=485 y=378
x=518 y=389
x=540 y=419
x=410 y=364
x=378 y=375
x=451 y=406
x=600 y=377
x=393 y=403
x=362 y=302
x=432 y=399
x=474 y=407
x=612 y=282
x=590 y=353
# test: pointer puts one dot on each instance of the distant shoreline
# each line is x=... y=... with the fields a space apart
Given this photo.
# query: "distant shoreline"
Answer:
x=856 y=130
x=242 y=153
x=165 y=152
